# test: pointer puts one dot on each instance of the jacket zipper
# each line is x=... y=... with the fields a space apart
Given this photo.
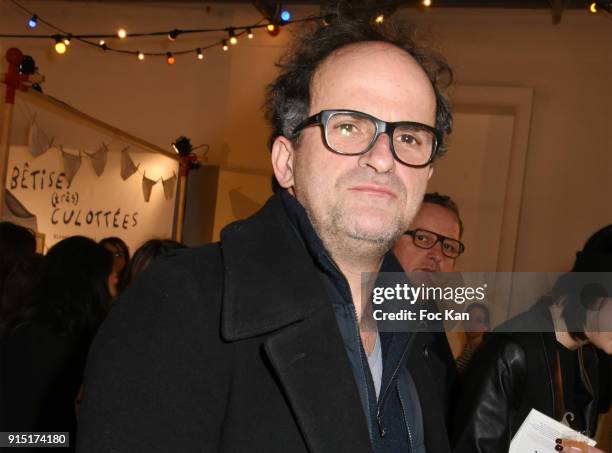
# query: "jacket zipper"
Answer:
x=399 y=395
x=381 y=426
x=356 y=327
x=383 y=399
x=587 y=383
x=552 y=385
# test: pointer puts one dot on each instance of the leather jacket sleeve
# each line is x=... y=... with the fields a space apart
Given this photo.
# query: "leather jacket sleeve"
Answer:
x=491 y=393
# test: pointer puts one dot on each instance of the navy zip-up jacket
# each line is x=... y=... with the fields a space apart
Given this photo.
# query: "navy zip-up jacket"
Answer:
x=395 y=419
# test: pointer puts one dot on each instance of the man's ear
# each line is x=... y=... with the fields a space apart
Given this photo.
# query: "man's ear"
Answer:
x=282 y=155
x=430 y=171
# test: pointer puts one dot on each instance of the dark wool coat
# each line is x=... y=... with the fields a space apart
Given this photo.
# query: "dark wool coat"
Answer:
x=233 y=347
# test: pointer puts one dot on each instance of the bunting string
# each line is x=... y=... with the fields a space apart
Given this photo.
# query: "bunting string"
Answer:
x=39 y=143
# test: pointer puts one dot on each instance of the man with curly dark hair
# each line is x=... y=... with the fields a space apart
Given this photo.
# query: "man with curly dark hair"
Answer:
x=259 y=343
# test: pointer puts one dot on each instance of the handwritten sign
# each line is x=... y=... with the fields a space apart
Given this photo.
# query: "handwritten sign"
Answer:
x=91 y=205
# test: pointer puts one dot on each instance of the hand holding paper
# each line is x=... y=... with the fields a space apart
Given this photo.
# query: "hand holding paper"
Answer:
x=574 y=446
x=573 y=443
x=540 y=433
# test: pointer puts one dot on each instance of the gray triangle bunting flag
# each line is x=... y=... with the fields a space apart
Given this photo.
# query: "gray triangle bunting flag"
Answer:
x=169 y=185
x=128 y=168
x=72 y=163
x=38 y=142
x=147 y=186
x=98 y=159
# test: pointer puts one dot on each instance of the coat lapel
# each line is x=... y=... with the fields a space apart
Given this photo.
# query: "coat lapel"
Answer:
x=270 y=280
x=273 y=288
x=311 y=364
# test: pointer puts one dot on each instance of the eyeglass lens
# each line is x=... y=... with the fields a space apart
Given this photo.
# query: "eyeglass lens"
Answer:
x=351 y=133
x=426 y=239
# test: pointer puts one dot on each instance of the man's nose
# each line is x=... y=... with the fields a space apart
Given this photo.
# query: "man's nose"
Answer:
x=435 y=253
x=380 y=157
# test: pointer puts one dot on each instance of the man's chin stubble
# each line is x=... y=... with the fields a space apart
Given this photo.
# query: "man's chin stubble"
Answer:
x=362 y=243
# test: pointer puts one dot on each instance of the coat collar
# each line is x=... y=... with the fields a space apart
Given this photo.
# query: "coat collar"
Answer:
x=269 y=275
x=271 y=283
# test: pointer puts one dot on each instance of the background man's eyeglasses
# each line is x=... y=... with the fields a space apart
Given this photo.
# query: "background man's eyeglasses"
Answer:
x=353 y=133
x=425 y=239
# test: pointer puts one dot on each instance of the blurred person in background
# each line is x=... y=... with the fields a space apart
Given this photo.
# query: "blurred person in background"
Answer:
x=544 y=359
x=121 y=259
x=42 y=354
x=475 y=329
x=17 y=248
x=145 y=255
x=433 y=244
x=18 y=289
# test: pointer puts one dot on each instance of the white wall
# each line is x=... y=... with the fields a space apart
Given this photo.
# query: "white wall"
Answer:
x=567 y=177
x=566 y=184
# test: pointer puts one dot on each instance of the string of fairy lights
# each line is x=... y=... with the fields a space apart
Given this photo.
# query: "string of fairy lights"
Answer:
x=62 y=39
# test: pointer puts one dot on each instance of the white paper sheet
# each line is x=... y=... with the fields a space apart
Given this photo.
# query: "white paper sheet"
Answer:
x=538 y=432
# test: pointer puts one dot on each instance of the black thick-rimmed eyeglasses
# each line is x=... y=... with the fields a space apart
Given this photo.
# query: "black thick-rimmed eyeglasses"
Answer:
x=426 y=239
x=352 y=133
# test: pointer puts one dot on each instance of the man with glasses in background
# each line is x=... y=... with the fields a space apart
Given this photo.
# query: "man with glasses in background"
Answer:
x=433 y=244
x=258 y=343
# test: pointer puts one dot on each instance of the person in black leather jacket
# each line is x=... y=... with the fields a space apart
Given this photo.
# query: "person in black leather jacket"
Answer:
x=536 y=360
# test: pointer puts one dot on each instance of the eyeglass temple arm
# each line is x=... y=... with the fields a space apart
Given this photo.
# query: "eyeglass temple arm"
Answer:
x=439 y=238
x=315 y=119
